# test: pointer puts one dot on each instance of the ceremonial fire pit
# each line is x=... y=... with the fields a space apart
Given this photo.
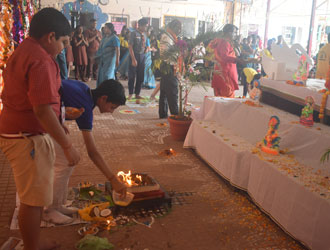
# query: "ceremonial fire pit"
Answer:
x=147 y=191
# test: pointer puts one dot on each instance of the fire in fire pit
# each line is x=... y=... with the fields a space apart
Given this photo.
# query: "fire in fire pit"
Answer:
x=147 y=191
x=138 y=183
x=129 y=179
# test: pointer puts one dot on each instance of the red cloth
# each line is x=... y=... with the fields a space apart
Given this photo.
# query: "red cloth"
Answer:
x=31 y=78
x=95 y=44
x=79 y=52
x=69 y=55
x=225 y=79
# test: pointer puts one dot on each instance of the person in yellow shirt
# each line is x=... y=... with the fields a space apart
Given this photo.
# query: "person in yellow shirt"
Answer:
x=124 y=53
x=323 y=61
x=247 y=79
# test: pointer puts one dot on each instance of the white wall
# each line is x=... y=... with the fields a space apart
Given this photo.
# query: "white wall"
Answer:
x=204 y=10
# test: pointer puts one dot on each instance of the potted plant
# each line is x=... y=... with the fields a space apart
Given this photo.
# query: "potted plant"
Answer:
x=181 y=55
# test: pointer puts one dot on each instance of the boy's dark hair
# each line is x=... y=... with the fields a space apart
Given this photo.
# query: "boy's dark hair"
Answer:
x=49 y=20
x=142 y=22
x=256 y=77
x=113 y=89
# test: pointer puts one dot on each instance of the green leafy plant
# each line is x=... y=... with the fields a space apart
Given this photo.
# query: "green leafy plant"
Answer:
x=180 y=56
x=325 y=157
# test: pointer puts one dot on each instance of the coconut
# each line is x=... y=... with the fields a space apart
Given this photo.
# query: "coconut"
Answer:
x=105 y=212
x=95 y=212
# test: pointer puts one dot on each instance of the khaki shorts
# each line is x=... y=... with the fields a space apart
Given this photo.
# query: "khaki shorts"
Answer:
x=32 y=160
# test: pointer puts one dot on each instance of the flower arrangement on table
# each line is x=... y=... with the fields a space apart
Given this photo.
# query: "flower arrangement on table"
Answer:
x=182 y=57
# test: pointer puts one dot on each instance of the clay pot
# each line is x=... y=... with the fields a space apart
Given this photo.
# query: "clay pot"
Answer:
x=179 y=128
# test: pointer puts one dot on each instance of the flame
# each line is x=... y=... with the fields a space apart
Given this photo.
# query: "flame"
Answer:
x=171 y=150
x=128 y=178
x=139 y=177
x=108 y=225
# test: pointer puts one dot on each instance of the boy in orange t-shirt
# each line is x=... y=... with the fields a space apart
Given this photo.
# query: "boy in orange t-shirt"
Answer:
x=323 y=61
x=31 y=115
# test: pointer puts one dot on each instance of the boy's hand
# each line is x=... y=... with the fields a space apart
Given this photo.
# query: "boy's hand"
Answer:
x=118 y=186
x=71 y=155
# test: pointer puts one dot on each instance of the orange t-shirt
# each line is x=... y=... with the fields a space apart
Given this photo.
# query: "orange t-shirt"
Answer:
x=323 y=62
x=31 y=78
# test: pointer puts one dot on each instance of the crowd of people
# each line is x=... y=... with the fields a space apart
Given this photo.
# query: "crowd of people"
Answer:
x=130 y=55
x=134 y=55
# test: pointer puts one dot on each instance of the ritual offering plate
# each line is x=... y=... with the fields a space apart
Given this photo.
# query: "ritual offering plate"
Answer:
x=120 y=201
x=88 y=229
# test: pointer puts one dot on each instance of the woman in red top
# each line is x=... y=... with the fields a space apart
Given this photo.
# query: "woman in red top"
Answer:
x=225 y=79
x=80 y=52
x=69 y=55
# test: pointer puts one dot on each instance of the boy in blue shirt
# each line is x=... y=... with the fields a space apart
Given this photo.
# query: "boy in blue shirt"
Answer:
x=109 y=95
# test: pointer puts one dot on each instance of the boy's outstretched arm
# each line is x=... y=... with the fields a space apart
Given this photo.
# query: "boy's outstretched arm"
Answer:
x=47 y=118
x=98 y=160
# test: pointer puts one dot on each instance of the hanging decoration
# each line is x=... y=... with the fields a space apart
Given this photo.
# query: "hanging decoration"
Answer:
x=6 y=44
x=15 y=18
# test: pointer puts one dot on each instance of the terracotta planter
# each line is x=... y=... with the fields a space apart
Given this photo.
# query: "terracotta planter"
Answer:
x=179 y=128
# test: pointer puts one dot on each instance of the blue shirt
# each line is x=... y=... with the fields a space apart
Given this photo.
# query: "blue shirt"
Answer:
x=136 y=40
x=78 y=95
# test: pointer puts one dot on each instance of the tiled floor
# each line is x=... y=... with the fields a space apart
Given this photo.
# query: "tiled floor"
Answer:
x=208 y=213
x=7 y=197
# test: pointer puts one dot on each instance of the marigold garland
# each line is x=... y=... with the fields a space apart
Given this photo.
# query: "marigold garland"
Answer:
x=6 y=44
x=14 y=26
x=323 y=103
x=325 y=96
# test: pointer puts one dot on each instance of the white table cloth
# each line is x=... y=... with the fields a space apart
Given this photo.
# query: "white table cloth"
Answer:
x=294 y=93
x=293 y=188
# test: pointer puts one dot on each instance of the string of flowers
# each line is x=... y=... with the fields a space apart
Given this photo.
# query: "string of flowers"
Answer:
x=325 y=97
x=14 y=26
x=323 y=103
x=326 y=155
x=6 y=44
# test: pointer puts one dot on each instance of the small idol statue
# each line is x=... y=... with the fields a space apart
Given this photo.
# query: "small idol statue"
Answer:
x=270 y=144
x=300 y=76
x=306 y=117
x=255 y=93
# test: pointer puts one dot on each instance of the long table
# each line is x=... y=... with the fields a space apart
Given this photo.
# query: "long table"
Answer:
x=295 y=94
x=293 y=188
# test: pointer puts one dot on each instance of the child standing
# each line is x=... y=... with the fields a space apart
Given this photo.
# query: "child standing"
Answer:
x=80 y=53
x=31 y=111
